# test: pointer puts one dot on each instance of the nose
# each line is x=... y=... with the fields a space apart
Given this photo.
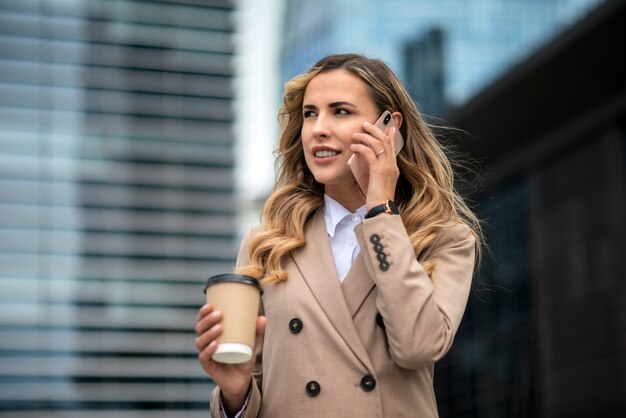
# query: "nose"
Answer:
x=321 y=128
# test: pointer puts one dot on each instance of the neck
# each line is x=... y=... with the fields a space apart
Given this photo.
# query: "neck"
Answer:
x=347 y=195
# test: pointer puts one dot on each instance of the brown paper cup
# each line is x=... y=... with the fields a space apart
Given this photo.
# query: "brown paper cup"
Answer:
x=238 y=298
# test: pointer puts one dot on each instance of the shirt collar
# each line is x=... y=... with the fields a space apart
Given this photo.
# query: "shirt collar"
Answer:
x=334 y=212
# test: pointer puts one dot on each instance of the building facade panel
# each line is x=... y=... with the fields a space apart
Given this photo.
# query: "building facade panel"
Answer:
x=116 y=202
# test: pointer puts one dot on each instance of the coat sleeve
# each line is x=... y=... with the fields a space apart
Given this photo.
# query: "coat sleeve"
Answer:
x=254 y=402
x=421 y=315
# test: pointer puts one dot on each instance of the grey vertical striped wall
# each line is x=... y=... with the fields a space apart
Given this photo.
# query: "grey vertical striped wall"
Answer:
x=116 y=202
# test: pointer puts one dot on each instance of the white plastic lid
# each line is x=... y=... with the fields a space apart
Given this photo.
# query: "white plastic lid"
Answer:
x=232 y=353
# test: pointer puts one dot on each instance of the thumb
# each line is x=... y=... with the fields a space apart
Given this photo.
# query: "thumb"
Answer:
x=260 y=328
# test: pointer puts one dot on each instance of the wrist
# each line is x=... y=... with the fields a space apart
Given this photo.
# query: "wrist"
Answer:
x=233 y=401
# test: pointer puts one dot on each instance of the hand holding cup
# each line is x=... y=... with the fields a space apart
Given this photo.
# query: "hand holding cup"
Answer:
x=230 y=320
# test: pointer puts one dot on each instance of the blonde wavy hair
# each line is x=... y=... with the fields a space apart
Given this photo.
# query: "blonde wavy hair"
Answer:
x=425 y=192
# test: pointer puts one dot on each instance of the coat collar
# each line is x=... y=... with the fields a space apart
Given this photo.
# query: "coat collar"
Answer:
x=314 y=260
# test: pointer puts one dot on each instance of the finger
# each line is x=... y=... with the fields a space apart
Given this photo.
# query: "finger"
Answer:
x=260 y=329
x=204 y=311
x=207 y=337
x=375 y=145
x=207 y=322
x=391 y=134
x=365 y=152
x=386 y=137
x=205 y=356
x=376 y=139
x=260 y=325
x=374 y=130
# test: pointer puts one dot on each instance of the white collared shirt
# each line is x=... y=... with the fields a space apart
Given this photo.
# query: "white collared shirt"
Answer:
x=340 y=224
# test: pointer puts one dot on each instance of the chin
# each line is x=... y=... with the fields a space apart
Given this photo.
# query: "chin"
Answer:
x=323 y=180
x=332 y=176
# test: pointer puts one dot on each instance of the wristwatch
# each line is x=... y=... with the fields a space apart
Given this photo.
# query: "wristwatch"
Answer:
x=387 y=207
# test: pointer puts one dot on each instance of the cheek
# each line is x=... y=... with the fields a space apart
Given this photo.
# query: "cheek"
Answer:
x=347 y=131
x=305 y=136
x=305 y=144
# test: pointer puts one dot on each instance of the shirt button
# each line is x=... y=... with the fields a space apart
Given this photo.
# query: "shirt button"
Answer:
x=368 y=383
x=381 y=256
x=375 y=239
x=384 y=266
x=379 y=248
x=295 y=325
x=313 y=388
x=355 y=218
x=351 y=243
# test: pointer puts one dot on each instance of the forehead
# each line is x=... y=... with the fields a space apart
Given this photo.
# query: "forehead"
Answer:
x=336 y=85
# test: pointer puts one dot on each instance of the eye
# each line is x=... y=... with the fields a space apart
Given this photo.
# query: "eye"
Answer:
x=341 y=112
x=308 y=113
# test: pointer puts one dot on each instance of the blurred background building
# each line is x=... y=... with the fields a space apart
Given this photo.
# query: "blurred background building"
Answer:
x=545 y=331
x=136 y=142
x=445 y=51
x=116 y=201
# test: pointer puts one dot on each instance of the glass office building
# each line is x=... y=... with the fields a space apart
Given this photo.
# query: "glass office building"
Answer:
x=445 y=51
x=116 y=202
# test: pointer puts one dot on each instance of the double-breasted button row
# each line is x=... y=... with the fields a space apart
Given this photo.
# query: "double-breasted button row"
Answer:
x=368 y=383
x=313 y=388
x=383 y=264
x=295 y=325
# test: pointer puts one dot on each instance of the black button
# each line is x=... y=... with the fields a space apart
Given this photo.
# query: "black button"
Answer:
x=295 y=325
x=368 y=383
x=313 y=388
x=379 y=320
x=381 y=256
x=375 y=239
x=384 y=266
x=379 y=248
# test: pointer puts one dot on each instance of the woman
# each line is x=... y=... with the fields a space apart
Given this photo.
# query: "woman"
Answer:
x=362 y=294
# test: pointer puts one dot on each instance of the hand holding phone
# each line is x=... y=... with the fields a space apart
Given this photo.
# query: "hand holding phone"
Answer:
x=358 y=164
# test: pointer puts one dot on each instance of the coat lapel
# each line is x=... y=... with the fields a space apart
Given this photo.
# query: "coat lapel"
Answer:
x=357 y=285
x=316 y=266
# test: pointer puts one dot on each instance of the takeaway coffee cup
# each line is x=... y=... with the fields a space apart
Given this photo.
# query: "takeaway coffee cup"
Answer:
x=238 y=298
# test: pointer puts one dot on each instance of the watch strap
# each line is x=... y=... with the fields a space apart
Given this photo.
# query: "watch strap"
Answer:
x=386 y=207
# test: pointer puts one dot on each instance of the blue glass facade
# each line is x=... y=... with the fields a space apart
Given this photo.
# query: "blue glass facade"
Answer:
x=481 y=38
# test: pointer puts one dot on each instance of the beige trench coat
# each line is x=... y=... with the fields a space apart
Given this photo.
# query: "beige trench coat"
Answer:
x=367 y=347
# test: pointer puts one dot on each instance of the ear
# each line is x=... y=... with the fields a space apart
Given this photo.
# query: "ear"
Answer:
x=397 y=117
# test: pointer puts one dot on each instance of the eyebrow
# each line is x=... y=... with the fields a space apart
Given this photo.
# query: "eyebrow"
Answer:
x=331 y=105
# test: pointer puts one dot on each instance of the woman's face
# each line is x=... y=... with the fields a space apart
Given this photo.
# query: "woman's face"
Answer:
x=335 y=105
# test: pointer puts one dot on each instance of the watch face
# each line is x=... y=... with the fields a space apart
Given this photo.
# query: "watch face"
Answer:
x=392 y=207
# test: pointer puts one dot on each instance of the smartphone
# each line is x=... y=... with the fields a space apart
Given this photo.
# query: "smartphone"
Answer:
x=357 y=163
